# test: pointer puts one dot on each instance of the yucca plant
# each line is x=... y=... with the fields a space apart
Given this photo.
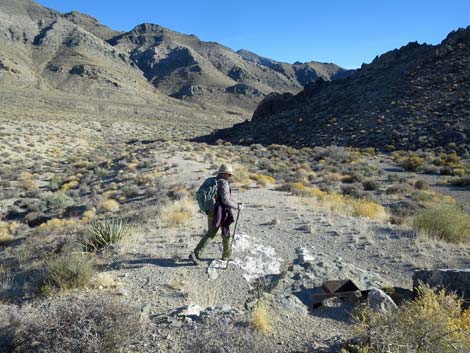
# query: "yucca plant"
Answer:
x=104 y=233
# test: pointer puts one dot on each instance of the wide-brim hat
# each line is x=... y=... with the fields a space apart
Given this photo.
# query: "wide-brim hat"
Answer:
x=225 y=169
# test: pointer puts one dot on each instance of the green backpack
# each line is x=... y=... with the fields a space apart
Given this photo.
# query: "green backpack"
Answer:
x=207 y=194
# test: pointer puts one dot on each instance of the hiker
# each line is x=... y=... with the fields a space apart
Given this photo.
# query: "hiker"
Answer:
x=219 y=211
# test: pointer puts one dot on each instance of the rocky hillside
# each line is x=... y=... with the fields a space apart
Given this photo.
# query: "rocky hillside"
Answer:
x=414 y=97
x=73 y=52
x=185 y=67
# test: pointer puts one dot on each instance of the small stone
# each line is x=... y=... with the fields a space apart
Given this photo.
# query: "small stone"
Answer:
x=122 y=292
x=275 y=222
x=145 y=311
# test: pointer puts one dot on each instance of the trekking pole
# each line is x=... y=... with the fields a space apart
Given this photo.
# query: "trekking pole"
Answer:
x=235 y=228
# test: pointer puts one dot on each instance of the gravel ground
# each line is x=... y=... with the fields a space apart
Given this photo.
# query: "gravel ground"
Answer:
x=154 y=272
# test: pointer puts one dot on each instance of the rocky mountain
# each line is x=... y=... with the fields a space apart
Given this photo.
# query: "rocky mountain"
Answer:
x=73 y=52
x=414 y=97
x=185 y=67
x=303 y=73
x=40 y=48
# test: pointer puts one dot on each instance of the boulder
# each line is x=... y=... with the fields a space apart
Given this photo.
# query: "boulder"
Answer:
x=380 y=301
x=452 y=280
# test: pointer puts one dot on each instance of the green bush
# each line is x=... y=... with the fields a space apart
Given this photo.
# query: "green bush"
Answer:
x=370 y=185
x=412 y=163
x=68 y=272
x=57 y=200
x=104 y=233
x=464 y=181
x=445 y=222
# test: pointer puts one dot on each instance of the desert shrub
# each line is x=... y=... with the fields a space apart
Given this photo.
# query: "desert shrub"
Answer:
x=130 y=190
x=432 y=323
x=370 y=185
x=177 y=192
x=412 y=162
x=452 y=170
x=68 y=272
x=401 y=188
x=367 y=208
x=104 y=233
x=422 y=196
x=6 y=232
x=339 y=154
x=261 y=319
x=431 y=169
x=109 y=205
x=56 y=224
x=464 y=181
x=84 y=325
x=27 y=182
x=445 y=222
x=56 y=200
x=55 y=182
x=421 y=184
x=177 y=213
x=262 y=180
x=69 y=185
x=352 y=178
x=354 y=190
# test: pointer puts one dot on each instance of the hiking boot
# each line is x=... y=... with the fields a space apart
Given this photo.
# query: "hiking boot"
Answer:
x=226 y=258
x=194 y=258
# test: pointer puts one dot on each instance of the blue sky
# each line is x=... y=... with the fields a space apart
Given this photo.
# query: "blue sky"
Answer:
x=347 y=33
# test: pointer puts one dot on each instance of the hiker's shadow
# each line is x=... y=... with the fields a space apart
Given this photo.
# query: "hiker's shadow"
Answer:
x=136 y=263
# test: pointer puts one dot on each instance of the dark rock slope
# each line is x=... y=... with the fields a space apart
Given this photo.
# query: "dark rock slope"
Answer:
x=414 y=97
x=73 y=52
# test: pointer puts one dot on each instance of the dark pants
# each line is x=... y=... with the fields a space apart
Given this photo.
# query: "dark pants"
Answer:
x=211 y=233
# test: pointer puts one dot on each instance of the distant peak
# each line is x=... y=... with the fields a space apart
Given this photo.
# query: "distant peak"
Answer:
x=77 y=14
x=148 y=28
x=460 y=35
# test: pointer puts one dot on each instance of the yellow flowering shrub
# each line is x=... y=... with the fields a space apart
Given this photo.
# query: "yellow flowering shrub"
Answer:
x=434 y=323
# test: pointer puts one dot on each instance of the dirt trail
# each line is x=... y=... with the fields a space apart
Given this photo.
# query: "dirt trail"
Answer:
x=154 y=271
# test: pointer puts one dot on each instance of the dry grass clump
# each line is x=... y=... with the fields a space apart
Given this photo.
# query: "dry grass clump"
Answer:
x=56 y=224
x=88 y=215
x=104 y=280
x=432 y=323
x=104 y=233
x=27 y=182
x=69 y=185
x=261 y=320
x=263 y=180
x=68 y=272
x=241 y=176
x=369 y=209
x=338 y=203
x=109 y=205
x=177 y=213
x=444 y=222
x=7 y=230
x=426 y=198
x=150 y=178
x=104 y=325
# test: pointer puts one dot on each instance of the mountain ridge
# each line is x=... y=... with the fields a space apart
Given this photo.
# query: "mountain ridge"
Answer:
x=417 y=96
x=74 y=52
